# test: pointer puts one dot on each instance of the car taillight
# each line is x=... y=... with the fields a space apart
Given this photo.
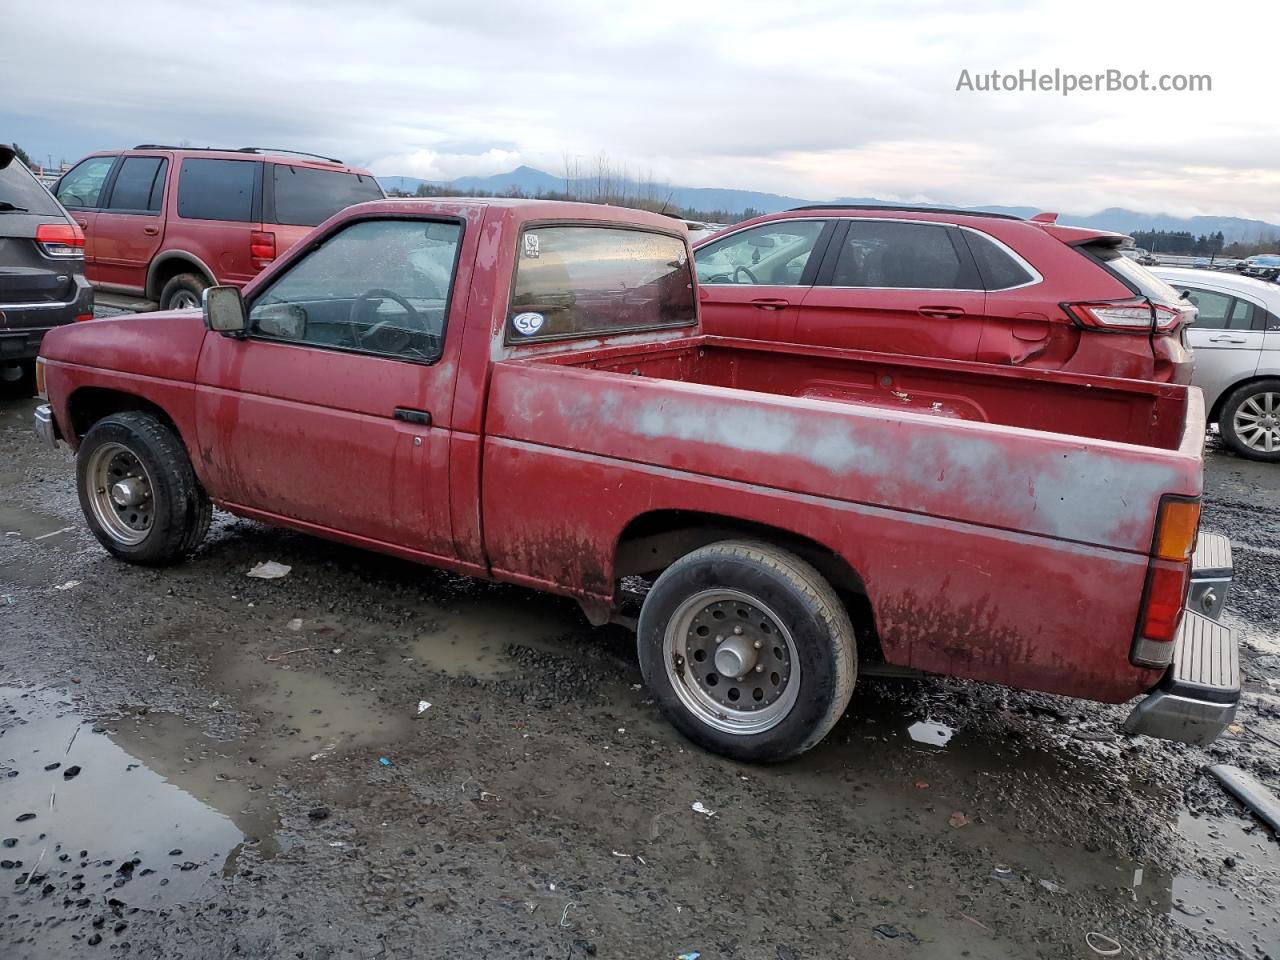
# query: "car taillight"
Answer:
x=262 y=248
x=1125 y=316
x=61 y=240
x=1168 y=578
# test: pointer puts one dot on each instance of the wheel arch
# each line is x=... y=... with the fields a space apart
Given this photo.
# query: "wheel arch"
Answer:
x=1256 y=377
x=168 y=265
x=652 y=541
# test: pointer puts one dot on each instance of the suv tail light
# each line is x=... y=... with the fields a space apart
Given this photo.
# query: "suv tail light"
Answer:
x=1129 y=316
x=1168 y=577
x=262 y=248
x=61 y=240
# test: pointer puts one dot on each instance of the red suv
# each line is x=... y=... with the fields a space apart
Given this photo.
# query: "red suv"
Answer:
x=164 y=223
x=945 y=283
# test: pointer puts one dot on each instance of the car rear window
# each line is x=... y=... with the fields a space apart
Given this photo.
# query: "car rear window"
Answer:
x=1131 y=273
x=19 y=188
x=217 y=189
x=573 y=281
x=305 y=196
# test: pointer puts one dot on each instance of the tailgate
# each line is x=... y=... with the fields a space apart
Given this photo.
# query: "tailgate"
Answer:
x=27 y=277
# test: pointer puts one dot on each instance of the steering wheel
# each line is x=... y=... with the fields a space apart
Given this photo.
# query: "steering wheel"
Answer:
x=738 y=270
x=412 y=319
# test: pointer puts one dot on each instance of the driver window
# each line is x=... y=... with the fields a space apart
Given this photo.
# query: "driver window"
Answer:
x=772 y=253
x=379 y=286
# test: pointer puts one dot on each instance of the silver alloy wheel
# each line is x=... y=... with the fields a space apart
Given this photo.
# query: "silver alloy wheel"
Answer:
x=1257 y=422
x=731 y=661
x=183 y=300
x=120 y=493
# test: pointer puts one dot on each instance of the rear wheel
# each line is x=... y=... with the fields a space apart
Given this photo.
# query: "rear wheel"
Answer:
x=18 y=380
x=183 y=292
x=138 y=491
x=748 y=650
x=1250 y=420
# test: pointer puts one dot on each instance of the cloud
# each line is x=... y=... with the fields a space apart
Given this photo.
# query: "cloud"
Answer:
x=815 y=99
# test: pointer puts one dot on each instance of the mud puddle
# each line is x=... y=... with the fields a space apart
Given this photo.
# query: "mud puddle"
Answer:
x=23 y=523
x=102 y=819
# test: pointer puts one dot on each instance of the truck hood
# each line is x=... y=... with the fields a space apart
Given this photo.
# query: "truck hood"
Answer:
x=162 y=345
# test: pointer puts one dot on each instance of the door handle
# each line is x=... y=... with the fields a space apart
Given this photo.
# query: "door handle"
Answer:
x=150 y=231
x=771 y=303
x=941 y=313
x=409 y=415
x=1224 y=338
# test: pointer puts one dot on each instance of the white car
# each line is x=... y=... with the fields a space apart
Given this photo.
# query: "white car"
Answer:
x=1236 y=341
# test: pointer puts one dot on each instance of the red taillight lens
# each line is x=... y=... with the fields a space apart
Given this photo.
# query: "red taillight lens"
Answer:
x=1126 y=316
x=61 y=240
x=262 y=248
x=1168 y=578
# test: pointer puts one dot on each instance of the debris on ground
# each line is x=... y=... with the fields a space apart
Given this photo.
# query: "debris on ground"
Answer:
x=384 y=761
x=958 y=820
x=319 y=813
x=68 y=585
x=270 y=570
x=1250 y=792
x=699 y=807
x=691 y=955
x=424 y=706
x=272 y=658
x=295 y=624
x=1101 y=944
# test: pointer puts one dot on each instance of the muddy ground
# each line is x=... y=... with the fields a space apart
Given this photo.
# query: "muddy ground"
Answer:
x=221 y=766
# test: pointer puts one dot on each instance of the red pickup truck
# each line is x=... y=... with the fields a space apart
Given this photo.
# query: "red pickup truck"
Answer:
x=519 y=390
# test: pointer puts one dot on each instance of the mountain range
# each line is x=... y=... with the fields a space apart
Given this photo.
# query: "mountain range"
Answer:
x=529 y=181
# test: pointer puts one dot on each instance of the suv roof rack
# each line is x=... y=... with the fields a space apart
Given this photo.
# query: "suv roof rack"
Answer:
x=258 y=150
x=953 y=211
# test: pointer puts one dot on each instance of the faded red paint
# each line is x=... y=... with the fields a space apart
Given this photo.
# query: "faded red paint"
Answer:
x=1000 y=519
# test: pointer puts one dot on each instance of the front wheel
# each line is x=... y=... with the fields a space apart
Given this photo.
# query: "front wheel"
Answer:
x=1250 y=420
x=748 y=650
x=138 y=491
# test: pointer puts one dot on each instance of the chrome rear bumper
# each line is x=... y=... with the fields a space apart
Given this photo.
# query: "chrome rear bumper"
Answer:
x=1198 y=696
x=1211 y=572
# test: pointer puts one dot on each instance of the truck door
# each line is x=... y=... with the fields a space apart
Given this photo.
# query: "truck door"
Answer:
x=334 y=410
x=895 y=286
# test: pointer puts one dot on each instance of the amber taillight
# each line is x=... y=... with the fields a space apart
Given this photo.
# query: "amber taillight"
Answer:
x=1168 y=577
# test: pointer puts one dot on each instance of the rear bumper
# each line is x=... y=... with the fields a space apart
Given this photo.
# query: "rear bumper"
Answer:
x=46 y=426
x=1197 y=698
x=23 y=326
x=1211 y=572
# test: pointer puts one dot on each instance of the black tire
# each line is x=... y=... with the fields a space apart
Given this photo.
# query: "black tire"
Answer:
x=802 y=602
x=180 y=287
x=179 y=509
x=18 y=381
x=1259 y=391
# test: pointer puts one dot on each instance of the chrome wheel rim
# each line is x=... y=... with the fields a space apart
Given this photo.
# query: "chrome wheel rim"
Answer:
x=120 y=493
x=731 y=661
x=1257 y=422
x=183 y=300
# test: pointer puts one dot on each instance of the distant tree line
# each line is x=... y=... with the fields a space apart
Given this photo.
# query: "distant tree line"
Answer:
x=1186 y=244
x=601 y=182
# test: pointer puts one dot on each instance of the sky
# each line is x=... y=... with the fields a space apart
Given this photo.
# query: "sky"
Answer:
x=808 y=98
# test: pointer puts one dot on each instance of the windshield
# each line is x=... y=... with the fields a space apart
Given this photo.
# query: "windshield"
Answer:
x=21 y=192
x=306 y=196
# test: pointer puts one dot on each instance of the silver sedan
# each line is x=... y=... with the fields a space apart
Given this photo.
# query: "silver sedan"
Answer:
x=1236 y=341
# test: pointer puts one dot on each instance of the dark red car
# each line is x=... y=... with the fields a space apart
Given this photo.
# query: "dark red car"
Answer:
x=164 y=223
x=952 y=284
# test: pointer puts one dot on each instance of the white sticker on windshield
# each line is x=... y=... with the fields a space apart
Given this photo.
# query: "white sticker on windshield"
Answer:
x=528 y=323
x=531 y=246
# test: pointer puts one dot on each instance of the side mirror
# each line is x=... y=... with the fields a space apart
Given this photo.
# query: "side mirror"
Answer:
x=224 y=311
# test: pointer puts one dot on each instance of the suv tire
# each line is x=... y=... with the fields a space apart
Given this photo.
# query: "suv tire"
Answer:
x=138 y=490
x=18 y=381
x=1250 y=416
x=752 y=607
x=184 y=292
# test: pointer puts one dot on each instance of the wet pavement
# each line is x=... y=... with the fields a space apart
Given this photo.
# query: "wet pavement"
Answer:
x=258 y=775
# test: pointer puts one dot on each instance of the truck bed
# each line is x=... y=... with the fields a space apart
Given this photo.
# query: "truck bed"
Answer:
x=988 y=546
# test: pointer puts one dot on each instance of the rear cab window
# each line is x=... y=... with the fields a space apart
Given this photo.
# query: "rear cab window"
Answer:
x=305 y=196
x=211 y=189
x=21 y=192
x=585 y=280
